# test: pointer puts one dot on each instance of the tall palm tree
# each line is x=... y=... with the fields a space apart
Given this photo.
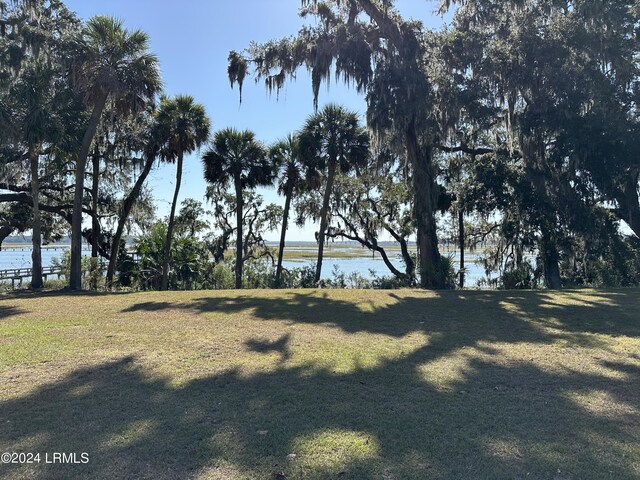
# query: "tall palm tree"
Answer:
x=183 y=126
x=290 y=167
x=332 y=139
x=110 y=63
x=237 y=158
x=33 y=93
x=32 y=77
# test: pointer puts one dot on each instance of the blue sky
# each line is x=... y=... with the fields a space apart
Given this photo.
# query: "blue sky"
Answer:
x=192 y=39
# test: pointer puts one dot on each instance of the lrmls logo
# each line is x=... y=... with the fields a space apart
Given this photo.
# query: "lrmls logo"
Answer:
x=63 y=457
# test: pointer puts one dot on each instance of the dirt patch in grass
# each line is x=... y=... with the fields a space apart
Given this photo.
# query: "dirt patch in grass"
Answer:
x=323 y=384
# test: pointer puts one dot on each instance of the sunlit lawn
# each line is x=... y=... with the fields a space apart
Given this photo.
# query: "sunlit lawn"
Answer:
x=323 y=384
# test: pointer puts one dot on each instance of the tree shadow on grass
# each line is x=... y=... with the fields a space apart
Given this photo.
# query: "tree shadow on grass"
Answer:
x=500 y=422
x=281 y=346
x=494 y=419
x=473 y=315
x=59 y=292
x=148 y=306
x=7 y=311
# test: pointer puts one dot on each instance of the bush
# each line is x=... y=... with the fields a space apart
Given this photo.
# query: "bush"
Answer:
x=222 y=277
x=63 y=263
x=388 y=283
x=442 y=273
x=615 y=263
x=259 y=274
x=190 y=267
x=520 y=278
x=302 y=277
x=55 y=284
x=92 y=269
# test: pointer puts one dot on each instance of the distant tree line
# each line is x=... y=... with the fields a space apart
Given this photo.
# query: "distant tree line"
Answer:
x=513 y=129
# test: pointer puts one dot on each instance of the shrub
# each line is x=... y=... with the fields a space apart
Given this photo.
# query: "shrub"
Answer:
x=222 y=277
x=442 y=272
x=92 y=269
x=521 y=277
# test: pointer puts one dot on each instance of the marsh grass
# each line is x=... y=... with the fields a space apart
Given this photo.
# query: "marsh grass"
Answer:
x=323 y=384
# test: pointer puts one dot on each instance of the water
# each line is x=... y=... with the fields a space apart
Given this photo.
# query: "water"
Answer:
x=20 y=257
x=363 y=265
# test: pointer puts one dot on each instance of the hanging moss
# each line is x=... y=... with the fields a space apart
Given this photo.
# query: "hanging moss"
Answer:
x=237 y=70
x=275 y=82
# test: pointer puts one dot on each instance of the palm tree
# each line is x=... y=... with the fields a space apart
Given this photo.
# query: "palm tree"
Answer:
x=237 y=158
x=290 y=166
x=114 y=64
x=332 y=139
x=183 y=126
x=37 y=125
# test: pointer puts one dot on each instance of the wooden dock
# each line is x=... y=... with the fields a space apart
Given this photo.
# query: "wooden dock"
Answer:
x=27 y=248
x=19 y=274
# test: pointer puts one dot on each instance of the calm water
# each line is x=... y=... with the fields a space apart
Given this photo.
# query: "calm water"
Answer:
x=11 y=257
x=21 y=258
x=362 y=265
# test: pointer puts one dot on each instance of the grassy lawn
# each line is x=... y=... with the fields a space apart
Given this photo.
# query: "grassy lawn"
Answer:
x=323 y=384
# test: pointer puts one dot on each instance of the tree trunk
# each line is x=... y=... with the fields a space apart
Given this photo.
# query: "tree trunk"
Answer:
x=385 y=258
x=167 y=244
x=423 y=191
x=550 y=262
x=537 y=170
x=632 y=201
x=240 y=207
x=461 y=241
x=95 y=224
x=371 y=245
x=128 y=204
x=283 y=234
x=75 y=279
x=36 y=237
x=410 y=267
x=323 y=217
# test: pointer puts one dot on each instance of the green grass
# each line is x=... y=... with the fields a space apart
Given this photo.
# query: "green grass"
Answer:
x=316 y=384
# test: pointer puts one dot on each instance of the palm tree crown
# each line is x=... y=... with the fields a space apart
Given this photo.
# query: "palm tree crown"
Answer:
x=334 y=135
x=287 y=159
x=182 y=126
x=112 y=61
x=237 y=155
